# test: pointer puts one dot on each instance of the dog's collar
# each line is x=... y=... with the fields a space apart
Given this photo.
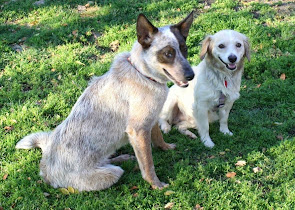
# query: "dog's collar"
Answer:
x=140 y=71
x=225 y=83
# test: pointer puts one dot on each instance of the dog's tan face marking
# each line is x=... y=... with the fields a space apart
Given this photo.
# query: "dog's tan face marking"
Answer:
x=166 y=55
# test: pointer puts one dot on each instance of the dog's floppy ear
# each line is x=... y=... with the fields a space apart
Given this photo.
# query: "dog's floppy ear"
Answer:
x=205 y=46
x=184 y=25
x=247 y=48
x=145 y=31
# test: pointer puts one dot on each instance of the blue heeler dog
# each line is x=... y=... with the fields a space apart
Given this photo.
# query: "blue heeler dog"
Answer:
x=118 y=107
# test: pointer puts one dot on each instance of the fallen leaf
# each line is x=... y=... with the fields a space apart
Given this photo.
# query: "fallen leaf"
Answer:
x=258 y=86
x=71 y=190
x=115 y=45
x=257 y=169
x=178 y=9
x=8 y=128
x=59 y=77
x=1 y=208
x=198 y=207
x=80 y=63
x=135 y=195
x=241 y=163
x=5 y=176
x=227 y=150
x=211 y=157
x=278 y=123
x=75 y=32
x=134 y=188
x=169 y=192
x=222 y=153
x=169 y=205
x=13 y=121
x=53 y=70
x=280 y=137
x=33 y=23
x=81 y=8
x=64 y=191
x=283 y=76
x=64 y=24
x=231 y=174
x=39 y=181
x=29 y=178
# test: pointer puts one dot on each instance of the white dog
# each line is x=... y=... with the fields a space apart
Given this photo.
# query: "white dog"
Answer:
x=211 y=94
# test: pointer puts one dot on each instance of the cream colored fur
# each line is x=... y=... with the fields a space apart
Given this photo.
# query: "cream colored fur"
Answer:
x=196 y=106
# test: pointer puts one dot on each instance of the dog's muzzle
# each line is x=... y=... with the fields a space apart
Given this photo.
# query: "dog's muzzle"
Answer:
x=230 y=66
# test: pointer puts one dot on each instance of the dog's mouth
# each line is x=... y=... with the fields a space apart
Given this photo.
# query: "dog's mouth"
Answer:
x=230 y=66
x=179 y=83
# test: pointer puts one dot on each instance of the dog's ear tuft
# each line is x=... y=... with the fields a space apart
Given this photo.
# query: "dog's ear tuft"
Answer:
x=247 y=48
x=145 y=31
x=205 y=46
x=184 y=25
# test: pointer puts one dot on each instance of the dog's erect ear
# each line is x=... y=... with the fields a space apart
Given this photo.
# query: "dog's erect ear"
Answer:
x=247 y=48
x=205 y=46
x=184 y=25
x=145 y=31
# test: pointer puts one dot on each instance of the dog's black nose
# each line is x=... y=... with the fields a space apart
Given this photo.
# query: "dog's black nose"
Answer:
x=189 y=74
x=232 y=58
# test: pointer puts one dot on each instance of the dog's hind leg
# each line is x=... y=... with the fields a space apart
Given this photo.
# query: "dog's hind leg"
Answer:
x=98 y=178
x=183 y=128
x=122 y=158
x=158 y=140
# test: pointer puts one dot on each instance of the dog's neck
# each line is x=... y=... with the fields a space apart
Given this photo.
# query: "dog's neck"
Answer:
x=136 y=58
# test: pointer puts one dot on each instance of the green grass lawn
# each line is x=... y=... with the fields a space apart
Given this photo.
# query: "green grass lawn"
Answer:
x=49 y=52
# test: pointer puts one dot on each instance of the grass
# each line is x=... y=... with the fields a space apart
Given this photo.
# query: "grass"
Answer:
x=49 y=52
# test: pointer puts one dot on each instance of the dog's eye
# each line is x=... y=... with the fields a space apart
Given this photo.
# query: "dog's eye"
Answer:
x=238 y=45
x=168 y=54
x=221 y=46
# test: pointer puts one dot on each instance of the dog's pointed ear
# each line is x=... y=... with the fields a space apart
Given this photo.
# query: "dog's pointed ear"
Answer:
x=184 y=25
x=247 y=48
x=205 y=46
x=145 y=31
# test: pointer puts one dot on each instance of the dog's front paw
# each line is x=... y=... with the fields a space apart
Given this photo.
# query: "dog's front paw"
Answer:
x=165 y=127
x=168 y=146
x=226 y=131
x=159 y=185
x=208 y=143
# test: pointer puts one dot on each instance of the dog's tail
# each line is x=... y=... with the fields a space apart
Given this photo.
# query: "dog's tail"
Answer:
x=39 y=139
